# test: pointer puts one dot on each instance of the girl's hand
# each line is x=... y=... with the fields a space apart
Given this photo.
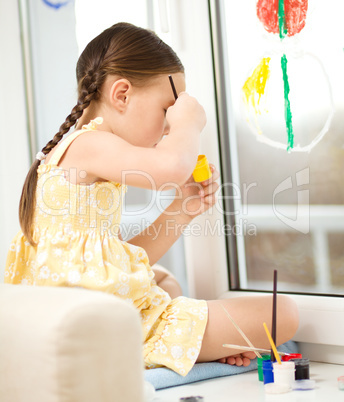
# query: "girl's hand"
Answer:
x=195 y=198
x=186 y=111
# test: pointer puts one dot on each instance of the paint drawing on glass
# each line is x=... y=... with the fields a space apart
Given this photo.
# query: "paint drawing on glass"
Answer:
x=279 y=91
x=56 y=5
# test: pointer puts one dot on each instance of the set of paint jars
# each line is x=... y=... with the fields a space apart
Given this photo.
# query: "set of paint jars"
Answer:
x=291 y=373
x=266 y=368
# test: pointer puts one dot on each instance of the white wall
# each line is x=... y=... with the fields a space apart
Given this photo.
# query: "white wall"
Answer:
x=14 y=151
x=54 y=55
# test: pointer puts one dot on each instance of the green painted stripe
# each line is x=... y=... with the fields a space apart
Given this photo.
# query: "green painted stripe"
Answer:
x=281 y=20
x=287 y=111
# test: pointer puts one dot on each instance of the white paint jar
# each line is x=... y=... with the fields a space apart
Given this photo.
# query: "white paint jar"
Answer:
x=284 y=373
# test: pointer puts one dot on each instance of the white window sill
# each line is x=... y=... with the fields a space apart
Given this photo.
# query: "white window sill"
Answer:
x=246 y=387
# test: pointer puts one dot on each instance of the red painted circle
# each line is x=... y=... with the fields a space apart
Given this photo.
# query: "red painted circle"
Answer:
x=295 y=12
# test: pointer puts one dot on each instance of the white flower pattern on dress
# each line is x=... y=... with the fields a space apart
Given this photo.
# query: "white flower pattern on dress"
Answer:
x=177 y=352
x=192 y=353
x=55 y=276
x=88 y=256
x=41 y=258
x=74 y=277
x=44 y=272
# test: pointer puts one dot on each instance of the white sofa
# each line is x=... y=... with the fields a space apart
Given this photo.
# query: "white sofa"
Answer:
x=68 y=345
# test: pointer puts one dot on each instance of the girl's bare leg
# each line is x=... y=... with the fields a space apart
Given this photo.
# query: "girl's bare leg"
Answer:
x=166 y=281
x=249 y=313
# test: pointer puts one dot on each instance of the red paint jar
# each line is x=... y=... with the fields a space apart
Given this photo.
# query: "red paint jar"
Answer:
x=292 y=356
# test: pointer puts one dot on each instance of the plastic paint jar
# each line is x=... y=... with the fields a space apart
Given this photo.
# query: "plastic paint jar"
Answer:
x=341 y=383
x=267 y=371
x=284 y=373
x=273 y=388
x=202 y=170
x=260 y=366
x=286 y=358
x=301 y=369
x=303 y=385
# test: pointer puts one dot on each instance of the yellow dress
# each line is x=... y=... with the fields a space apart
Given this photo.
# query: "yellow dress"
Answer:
x=76 y=230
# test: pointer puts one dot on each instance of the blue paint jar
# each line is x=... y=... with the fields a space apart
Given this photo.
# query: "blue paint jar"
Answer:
x=260 y=366
x=267 y=371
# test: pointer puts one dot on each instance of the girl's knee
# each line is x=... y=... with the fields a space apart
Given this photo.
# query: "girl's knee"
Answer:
x=166 y=281
x=288 y=317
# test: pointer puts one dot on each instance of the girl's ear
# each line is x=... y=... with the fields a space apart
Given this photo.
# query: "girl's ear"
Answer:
x=119 y=94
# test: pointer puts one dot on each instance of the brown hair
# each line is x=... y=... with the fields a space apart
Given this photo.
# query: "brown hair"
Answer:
x=124 y=50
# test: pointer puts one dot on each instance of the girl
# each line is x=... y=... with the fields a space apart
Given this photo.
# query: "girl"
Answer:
x=71 y=203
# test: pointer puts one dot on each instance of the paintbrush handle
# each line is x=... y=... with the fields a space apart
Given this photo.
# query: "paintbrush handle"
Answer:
x=173 y=87
x=240 y=331
x=272 y=344
x=226 y=345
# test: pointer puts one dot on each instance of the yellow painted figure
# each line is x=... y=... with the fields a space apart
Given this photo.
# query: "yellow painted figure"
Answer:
x=254 y=86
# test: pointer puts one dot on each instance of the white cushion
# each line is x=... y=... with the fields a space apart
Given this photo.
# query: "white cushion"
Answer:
x=68 y=344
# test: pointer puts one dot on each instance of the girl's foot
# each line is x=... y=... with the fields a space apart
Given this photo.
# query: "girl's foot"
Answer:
x=241 y=359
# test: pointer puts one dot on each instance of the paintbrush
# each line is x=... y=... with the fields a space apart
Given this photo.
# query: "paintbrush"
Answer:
x=241 y=332
x=249 y=348
x=274 y=317
x=173 y=87
x=272 y=344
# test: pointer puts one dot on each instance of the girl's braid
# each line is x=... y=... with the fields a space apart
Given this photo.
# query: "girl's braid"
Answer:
x=89 y=91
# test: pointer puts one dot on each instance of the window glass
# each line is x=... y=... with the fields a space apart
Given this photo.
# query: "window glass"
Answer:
x=285 y=67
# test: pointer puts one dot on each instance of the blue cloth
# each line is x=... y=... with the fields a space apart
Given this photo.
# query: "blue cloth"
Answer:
x=165 y=378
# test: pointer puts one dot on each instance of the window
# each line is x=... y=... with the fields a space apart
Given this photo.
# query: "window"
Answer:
x=283 y=150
